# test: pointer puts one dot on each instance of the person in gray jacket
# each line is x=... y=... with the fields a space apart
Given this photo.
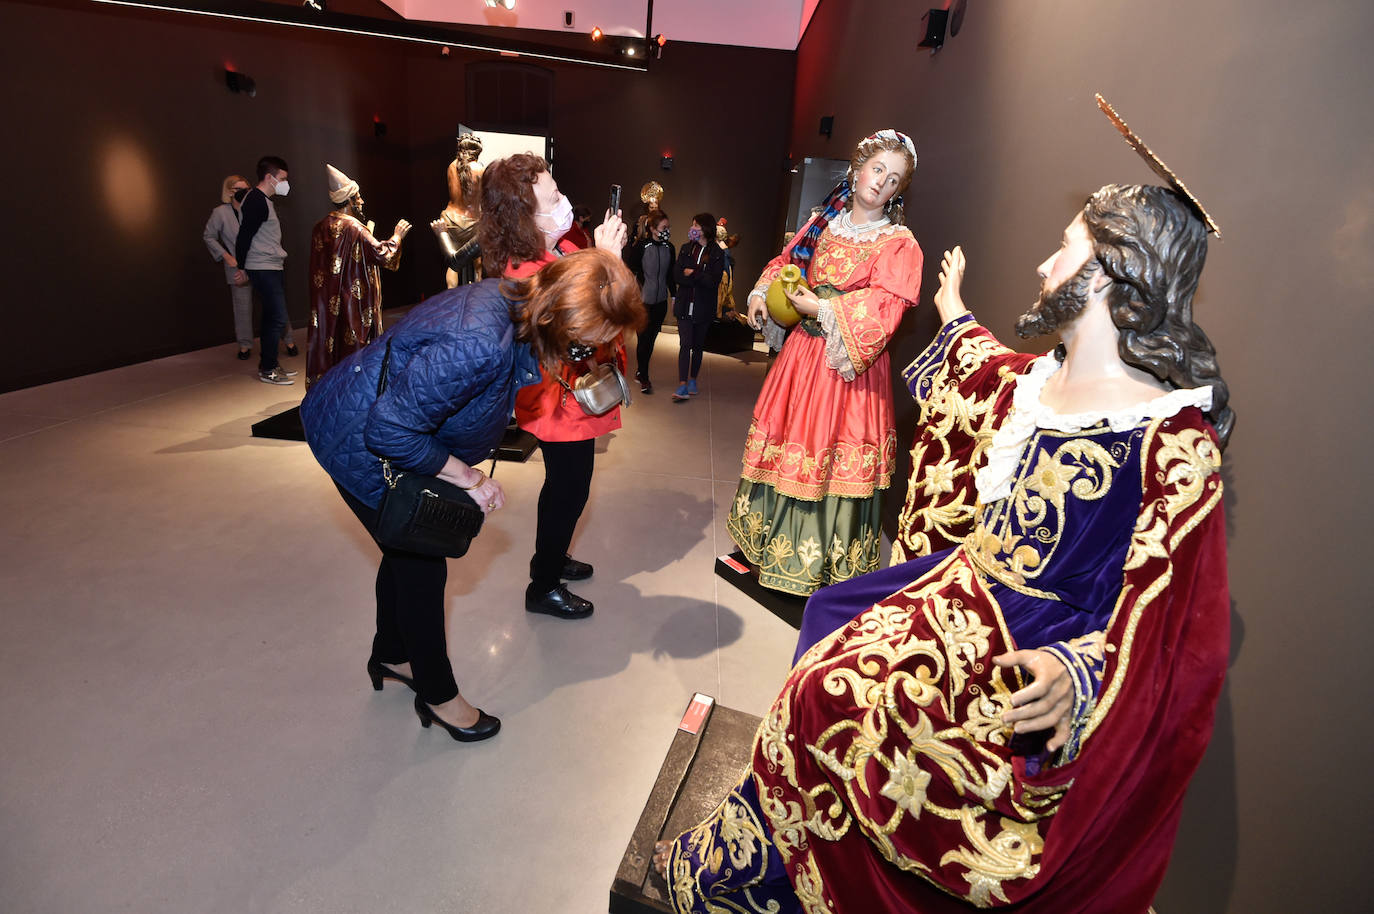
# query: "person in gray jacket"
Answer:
x=651 y=258
x=262 y=259
x=221 y=231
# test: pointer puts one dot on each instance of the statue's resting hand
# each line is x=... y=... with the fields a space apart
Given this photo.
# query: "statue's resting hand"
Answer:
x=1045 y=704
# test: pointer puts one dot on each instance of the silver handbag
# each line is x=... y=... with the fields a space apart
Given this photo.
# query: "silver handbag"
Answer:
x=599 y=390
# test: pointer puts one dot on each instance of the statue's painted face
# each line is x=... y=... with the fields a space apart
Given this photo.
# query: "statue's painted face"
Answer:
x=1075 y=248
x=1067 y=277
x=878 y=178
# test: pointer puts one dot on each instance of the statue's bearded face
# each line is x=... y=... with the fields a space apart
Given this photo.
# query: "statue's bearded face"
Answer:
x=1058 y=306
x=1066 y=279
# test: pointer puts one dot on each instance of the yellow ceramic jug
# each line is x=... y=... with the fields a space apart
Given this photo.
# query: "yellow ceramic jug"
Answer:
x=780 y=308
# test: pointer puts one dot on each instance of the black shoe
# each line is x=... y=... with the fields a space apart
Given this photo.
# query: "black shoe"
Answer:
x=292 y=350
x=646 y=388
x=485 y=728
x=244 y=354
x=379 y=671
x=573 y=570
x=559 y=602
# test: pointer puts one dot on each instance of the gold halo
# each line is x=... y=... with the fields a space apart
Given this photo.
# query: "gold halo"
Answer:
x=1157 y=166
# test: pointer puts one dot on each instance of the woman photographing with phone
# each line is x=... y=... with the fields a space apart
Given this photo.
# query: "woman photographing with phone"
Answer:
x=524 y=220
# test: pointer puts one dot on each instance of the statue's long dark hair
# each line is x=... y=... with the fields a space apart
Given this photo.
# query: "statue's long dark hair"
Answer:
x=1153 y=247
x=469 y=149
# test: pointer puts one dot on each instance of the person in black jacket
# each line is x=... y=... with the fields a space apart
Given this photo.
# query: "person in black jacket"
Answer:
x=651 y=257
x=699 y=268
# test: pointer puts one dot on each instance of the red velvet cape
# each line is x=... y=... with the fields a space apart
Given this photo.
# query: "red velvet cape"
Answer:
x=1093 y=835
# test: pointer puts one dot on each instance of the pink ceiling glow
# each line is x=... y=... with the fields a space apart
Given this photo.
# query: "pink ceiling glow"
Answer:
x=751 y=23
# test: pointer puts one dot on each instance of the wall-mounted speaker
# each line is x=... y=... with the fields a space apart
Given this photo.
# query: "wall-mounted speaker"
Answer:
x=936 y=22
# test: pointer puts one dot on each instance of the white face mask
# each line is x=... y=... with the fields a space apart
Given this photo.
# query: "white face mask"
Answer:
x=282 y=189
x=562 y=215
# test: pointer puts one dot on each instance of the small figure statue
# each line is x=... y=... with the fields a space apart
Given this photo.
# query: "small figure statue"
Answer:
x=456 y=227
x=345 y=282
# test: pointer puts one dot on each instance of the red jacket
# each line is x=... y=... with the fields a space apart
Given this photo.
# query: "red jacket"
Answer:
x=546 y=409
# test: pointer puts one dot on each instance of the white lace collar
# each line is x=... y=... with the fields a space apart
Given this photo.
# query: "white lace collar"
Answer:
x=994 y=481
x=842 y=226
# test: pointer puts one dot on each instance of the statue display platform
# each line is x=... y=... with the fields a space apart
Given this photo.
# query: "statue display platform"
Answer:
x=516 y=446
x=709 y=754
x=736 y=570
x=728 y=336
x=285 y=426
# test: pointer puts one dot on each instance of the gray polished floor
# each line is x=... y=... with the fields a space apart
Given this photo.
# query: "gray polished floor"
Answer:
x=187 y=725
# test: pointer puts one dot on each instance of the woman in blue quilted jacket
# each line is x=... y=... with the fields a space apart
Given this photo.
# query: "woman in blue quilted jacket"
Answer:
x=456 y=363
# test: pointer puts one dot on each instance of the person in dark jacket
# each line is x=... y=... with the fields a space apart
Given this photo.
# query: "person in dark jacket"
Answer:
x=456 y=362
x=700 y=265
x=651 y=257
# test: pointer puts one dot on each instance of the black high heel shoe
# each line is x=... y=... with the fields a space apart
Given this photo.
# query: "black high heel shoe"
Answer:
x=377 y=671
x=485 y=728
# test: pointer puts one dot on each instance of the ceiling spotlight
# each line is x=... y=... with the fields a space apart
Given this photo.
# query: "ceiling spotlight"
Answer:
x=660 y=40
x=596 y=33
x=316 y=5
x=630 y=50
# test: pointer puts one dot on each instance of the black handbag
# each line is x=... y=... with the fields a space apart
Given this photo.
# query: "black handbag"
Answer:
x=424 y=514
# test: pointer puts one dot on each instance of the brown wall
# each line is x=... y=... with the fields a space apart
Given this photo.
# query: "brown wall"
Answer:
x=723 y=112
x=1263 y=108
x=122 y=130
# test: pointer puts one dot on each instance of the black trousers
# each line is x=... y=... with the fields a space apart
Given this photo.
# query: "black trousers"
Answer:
x=410 y=613
x=691 y=337
x=567 y=480
x=644 y=348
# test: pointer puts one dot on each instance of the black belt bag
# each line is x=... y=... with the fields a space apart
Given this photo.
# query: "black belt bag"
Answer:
x=424 y=514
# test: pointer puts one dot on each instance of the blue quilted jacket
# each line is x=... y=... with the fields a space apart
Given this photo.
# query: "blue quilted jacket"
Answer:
x=455 y=367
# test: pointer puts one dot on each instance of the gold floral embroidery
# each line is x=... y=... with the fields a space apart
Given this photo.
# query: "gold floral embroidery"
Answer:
x=1187 y=464
x=956 y=431
x=338 y=265
x=993 y=861
x=731 y=844
x=847 y=469
x=1015 y=538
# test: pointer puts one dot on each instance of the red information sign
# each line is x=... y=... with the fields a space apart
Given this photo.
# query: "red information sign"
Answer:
x=731 y=562
x=695 y=715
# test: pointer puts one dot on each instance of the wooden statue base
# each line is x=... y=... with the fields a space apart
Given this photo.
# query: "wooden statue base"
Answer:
x=701 y=767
